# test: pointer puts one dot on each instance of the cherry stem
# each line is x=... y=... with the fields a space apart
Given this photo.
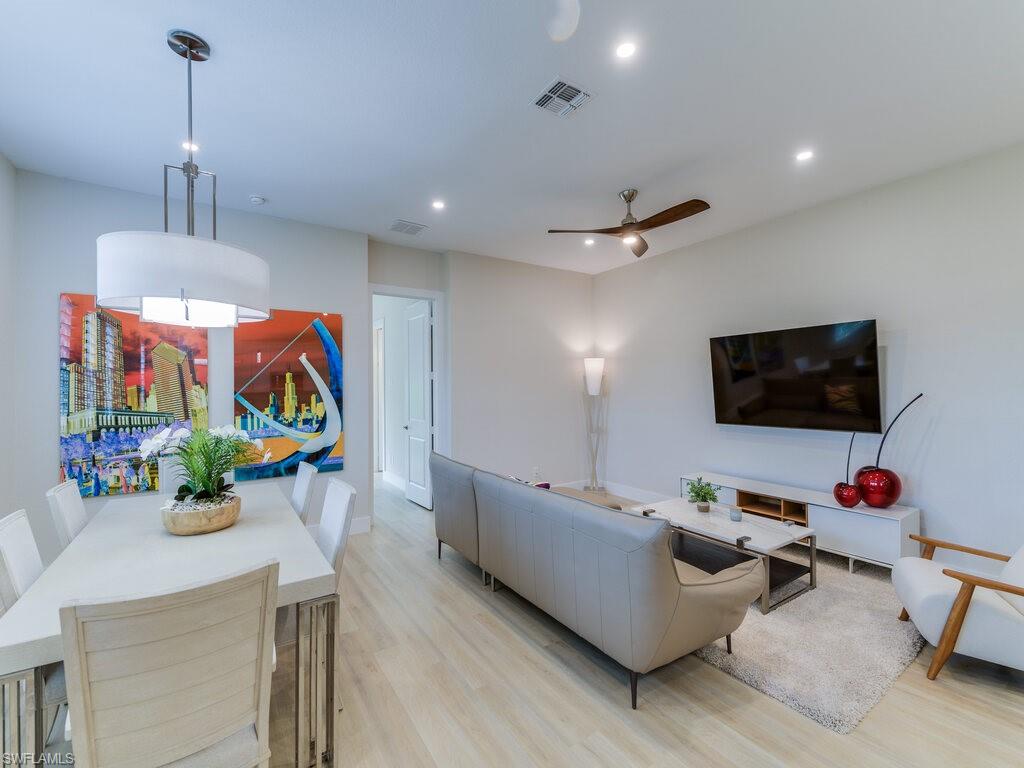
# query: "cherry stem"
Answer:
x=878 y=458
x=848 y=452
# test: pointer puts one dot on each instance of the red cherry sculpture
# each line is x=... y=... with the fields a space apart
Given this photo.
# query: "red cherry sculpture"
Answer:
x=879 y=487
x=846 y=494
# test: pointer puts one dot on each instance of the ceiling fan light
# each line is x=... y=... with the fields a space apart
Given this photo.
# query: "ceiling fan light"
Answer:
x=629 y=239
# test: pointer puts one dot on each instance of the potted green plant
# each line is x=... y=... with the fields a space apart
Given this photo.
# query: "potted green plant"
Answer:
x=702 y=494
x=204 y=502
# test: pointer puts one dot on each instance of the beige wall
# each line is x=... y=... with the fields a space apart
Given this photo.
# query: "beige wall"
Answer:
x=405 y=267
x=937 y=259
x=518 y=336
x=8 y=292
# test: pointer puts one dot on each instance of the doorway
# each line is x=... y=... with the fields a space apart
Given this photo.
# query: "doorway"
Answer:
x=408 y=394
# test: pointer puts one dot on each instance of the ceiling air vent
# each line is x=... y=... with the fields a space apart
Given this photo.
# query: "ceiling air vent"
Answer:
x=406 y=227
x=562 y=98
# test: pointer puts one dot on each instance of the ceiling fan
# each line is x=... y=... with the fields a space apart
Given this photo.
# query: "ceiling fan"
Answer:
x=630 y=229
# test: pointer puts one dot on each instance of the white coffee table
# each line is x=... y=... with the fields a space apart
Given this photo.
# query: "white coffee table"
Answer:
x=755 y=535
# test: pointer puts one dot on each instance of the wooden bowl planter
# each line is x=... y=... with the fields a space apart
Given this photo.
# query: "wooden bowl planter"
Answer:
x=191 y=518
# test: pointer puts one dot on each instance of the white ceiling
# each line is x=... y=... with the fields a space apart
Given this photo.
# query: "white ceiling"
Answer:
x=353 y=114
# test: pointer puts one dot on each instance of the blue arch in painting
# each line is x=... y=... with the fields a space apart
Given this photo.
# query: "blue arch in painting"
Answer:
x=289 y=465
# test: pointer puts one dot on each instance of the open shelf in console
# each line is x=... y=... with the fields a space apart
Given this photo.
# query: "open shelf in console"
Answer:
x=772 y=507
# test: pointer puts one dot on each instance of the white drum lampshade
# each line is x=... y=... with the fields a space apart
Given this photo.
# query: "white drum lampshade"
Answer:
x=593 y=372
x=181 y=279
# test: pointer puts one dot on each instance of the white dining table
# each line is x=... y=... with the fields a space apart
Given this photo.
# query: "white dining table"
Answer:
x=125 y=550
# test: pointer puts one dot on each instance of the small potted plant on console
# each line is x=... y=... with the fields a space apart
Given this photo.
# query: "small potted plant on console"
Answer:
x=702 y=494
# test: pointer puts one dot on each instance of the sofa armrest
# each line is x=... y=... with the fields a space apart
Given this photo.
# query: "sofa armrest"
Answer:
x=724 y=576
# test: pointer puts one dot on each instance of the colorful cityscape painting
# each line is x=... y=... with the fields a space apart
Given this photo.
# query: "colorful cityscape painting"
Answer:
x=288 y=391
x=121 y=381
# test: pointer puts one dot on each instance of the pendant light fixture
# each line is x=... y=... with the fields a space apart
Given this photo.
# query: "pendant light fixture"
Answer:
x=183 y=279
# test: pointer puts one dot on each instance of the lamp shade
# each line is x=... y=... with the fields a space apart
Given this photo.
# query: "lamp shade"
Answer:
x=593 y=372
x=181 y=279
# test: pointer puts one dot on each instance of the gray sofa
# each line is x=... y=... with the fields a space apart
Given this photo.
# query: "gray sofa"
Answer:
x=609 y=576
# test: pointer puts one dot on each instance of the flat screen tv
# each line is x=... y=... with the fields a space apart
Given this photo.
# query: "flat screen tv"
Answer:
x=820 y=377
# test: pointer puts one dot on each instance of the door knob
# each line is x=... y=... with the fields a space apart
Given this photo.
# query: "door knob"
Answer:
x=406 y=426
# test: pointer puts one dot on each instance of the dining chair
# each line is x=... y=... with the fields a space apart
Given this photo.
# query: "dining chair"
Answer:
x=302 y=489
x=331 y=533
x=20 y=566
x=67 y=510
x=180 y=679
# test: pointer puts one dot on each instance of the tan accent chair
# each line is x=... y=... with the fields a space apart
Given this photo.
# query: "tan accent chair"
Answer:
x=455 y=518
x=609 y=576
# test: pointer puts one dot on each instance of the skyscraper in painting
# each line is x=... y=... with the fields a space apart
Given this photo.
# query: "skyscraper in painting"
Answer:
x=110 y=400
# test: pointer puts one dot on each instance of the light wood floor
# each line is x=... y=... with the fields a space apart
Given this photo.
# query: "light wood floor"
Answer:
x=437 y=670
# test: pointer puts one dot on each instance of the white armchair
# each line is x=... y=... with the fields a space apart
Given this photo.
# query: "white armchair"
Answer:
x=964 y=612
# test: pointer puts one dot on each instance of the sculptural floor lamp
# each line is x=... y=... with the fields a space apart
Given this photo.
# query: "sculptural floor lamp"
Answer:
x=593 y=375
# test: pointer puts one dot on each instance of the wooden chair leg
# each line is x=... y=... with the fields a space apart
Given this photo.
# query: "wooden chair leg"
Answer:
x=632 y=686
x=728 y=643
x=950 y=632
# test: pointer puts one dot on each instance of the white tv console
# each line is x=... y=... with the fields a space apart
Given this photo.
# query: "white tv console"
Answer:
x=868 y=534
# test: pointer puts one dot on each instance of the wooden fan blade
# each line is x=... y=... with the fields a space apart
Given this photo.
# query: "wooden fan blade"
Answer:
x=673 y=214
x=605 y=231
x=639 y=248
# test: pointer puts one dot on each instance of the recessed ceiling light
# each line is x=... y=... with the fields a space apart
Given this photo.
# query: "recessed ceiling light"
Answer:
x=625 y=50
x=438 y=205
x=189 y=147
x=589 y=241
x=629 y=239
x=804 y=155
x=257 y=199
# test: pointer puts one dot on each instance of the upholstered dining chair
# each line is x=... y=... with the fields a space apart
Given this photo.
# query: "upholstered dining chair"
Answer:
x=20 y=566
x=302 y=490
x=67 y=510
x=331 y=533
x=964 y=612
x=180 y=679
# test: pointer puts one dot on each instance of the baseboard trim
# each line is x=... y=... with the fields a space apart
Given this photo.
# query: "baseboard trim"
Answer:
x=393 y=479
x=360 y=525
x=620 y=489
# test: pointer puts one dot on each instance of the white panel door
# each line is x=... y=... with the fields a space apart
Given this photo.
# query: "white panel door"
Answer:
x=419 y=406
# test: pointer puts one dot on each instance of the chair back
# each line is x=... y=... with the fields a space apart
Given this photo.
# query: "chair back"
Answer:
x=302 y=490
x=20 y=564
x=67 y=510
x=156 y=679
x=335 y=522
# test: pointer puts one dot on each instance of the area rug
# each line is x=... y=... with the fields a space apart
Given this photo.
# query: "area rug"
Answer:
x=831 y=653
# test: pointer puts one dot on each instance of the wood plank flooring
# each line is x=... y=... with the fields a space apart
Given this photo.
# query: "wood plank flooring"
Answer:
x=438 y=670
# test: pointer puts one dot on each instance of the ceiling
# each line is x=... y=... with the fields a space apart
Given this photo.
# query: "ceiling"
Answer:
x=352 y=114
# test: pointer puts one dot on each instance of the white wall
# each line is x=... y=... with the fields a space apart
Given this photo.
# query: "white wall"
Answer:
x=312 y=268
x=398 y=265
x=937 y=259
x=8 y=292
x=391 y=311
x=518 y=335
